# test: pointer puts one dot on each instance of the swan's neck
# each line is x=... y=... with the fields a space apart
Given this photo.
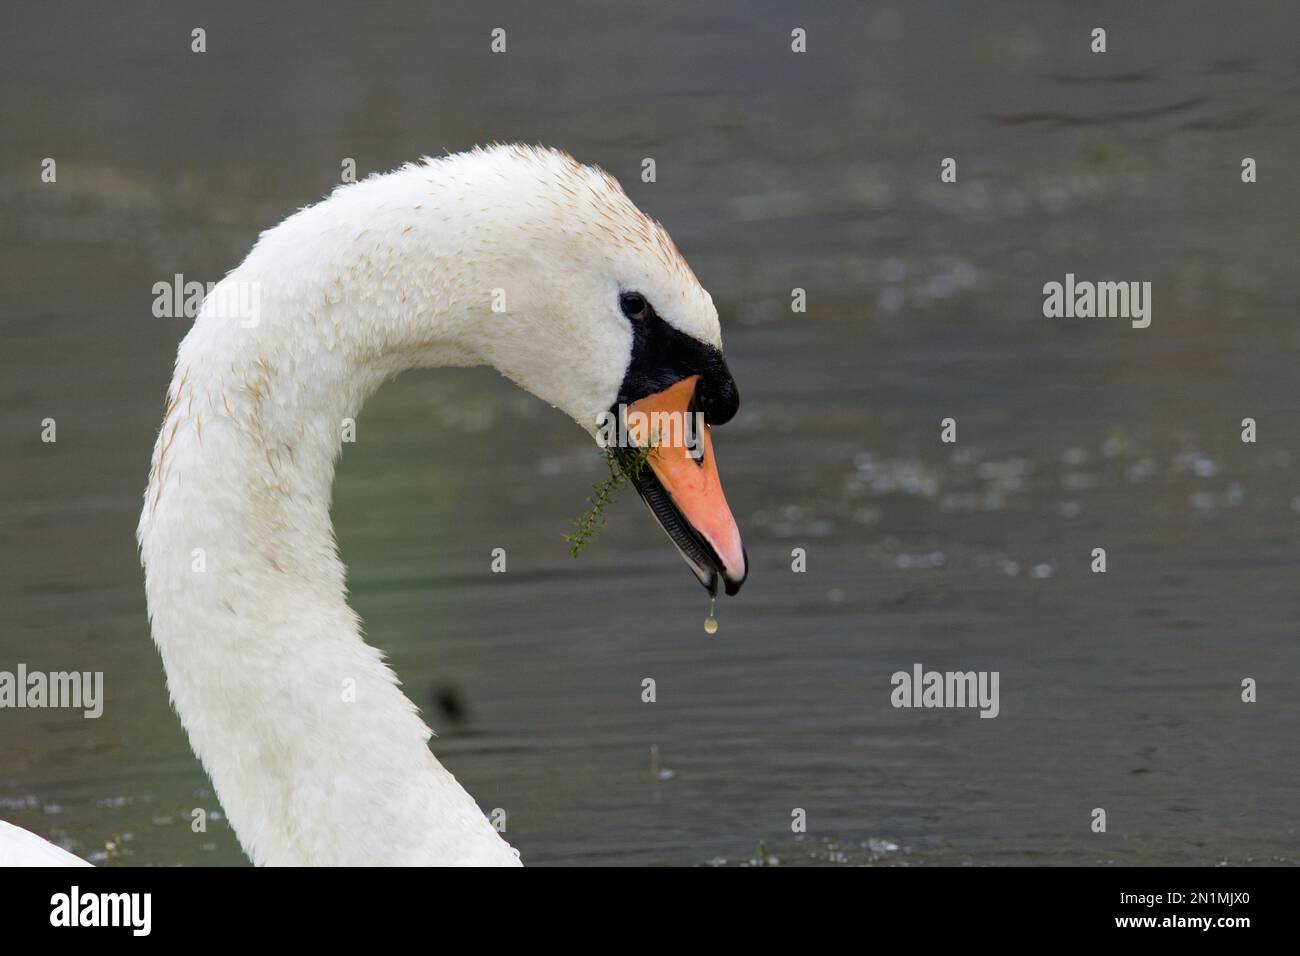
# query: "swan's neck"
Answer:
x=316 y=755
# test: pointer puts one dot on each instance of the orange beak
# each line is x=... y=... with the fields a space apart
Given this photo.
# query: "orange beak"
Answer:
x=679 y=483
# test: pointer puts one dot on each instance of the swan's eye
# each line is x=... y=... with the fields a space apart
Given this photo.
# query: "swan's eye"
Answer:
x=634 y=305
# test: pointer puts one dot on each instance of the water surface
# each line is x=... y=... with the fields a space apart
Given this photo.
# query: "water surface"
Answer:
x=775 y=171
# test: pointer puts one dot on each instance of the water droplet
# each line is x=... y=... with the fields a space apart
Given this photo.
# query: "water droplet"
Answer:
x=711 y=622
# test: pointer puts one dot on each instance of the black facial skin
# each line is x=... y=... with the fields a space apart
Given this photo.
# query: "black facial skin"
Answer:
x=662 y=355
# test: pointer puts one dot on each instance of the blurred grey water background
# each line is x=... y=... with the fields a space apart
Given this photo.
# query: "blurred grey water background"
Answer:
x=775 y=171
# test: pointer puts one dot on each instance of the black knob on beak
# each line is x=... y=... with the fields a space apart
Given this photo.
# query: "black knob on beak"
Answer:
x=719 y=397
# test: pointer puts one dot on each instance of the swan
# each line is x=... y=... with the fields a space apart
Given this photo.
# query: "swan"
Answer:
x=517 y=257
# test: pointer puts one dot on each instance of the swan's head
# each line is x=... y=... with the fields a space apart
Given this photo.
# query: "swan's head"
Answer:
x=598 y=314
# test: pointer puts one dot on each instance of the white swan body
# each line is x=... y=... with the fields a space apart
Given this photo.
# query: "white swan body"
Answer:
x=20 y=848
x=316 y=755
